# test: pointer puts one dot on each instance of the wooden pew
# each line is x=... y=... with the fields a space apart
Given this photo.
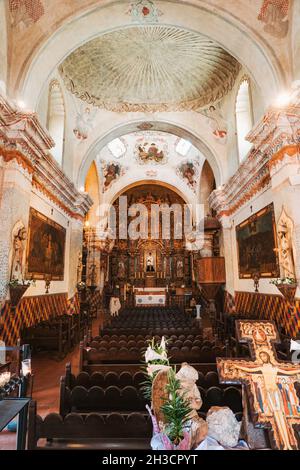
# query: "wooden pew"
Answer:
x=94 y=431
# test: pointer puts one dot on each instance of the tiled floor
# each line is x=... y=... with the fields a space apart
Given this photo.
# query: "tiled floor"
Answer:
x=47 y=373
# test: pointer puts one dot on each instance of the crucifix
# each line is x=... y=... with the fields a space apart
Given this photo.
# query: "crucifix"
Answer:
x=270 y=383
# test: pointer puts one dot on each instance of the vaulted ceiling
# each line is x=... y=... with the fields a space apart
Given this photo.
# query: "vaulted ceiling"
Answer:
x=150 y=68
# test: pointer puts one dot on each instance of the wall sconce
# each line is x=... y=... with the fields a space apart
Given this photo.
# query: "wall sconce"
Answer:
x=256 y=278
x=47 y=283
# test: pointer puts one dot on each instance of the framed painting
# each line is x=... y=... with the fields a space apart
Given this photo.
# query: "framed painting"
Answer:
x=45 y=248
x=257 y=245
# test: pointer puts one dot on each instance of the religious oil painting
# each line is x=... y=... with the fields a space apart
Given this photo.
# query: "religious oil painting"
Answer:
x=46 y=248
x=256 y=243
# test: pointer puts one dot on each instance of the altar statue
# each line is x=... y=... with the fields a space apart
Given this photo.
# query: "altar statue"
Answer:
x=150 y=263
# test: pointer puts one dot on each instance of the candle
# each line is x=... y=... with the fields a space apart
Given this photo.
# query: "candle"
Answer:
x=4 y=378
x=26 y=367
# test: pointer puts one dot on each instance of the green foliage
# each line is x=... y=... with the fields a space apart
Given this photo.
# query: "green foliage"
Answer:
x=176 y=410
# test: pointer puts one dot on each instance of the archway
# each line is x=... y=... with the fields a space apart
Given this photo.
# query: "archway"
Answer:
x=164 y=126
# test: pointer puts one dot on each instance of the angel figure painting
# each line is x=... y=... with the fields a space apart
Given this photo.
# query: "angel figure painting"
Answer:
x=217 y=123
x=111 y=172
x=188 y=172
x=84 y=122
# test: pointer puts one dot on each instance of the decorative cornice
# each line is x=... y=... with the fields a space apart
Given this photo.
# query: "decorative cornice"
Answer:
x=289 y=150
x=32 y=143
x=277 y=135
x=9 y=155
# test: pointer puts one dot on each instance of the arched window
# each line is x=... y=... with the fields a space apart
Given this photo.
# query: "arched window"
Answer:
x=56 y=120
x=244 y=118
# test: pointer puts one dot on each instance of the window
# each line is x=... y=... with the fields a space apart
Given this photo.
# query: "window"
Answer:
x=183 y=147
x=56 y=120
x=244 y=120
x=117 y=148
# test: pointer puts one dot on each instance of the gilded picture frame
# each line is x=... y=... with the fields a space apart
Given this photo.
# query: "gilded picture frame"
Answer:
x=45 y=255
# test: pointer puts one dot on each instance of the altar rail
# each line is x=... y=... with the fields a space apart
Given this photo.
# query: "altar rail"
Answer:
x=266 y=306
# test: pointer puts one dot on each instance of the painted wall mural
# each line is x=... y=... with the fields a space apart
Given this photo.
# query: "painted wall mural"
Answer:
x=25 y=13
x=256 y=240
x=189 y=172
x=217 y=123
x=84 y=121
x=46 y=248
x=111 y=173
x=144 y=11
x=151 y=153
x=274 y=13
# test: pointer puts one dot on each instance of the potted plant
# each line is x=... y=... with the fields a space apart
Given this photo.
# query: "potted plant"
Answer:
x=16 y=291
x=287 y=286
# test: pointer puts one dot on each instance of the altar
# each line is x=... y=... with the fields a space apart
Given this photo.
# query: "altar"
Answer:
x=150 y=297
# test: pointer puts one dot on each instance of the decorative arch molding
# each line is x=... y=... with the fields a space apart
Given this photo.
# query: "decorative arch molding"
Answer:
x=243 y=116
x=137 y=126
x=252 y=51
x=146 y=183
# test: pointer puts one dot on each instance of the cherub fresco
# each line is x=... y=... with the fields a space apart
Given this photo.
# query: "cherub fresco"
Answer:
x=84 y=122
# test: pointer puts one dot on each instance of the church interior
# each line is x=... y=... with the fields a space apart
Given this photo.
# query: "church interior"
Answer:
x=150 y=234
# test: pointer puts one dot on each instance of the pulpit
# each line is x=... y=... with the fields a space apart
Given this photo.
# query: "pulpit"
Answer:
x=211 y=275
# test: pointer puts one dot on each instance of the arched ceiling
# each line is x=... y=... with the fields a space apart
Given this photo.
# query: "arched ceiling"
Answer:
x=39 y=53
x=137 y=126
x=150 y=68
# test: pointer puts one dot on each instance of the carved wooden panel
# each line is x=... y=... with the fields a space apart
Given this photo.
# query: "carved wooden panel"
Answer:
x=211 y=270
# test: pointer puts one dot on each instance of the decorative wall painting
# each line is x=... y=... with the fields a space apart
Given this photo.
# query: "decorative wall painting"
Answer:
x=149 y=152
x=188 y=171
x=274 y=13
x=45 y=248
x=144 y=11
x=111 y=173
x=256 y=244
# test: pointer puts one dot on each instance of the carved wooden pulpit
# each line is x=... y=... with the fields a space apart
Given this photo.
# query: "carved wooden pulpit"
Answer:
x=269 y=383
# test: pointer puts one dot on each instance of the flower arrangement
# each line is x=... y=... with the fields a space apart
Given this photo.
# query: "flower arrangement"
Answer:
x=283 y=280
x=14 y=283
x=156 y=358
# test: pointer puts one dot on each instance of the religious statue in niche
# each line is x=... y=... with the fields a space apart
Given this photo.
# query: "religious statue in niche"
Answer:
x=25 y=13
x=285 y=246
x=150 y=266
x=217 y=123
x=144 y=11
x=19 y=237
x=270 y=383
x=84 y=122
x=111 y=172
x=150 y=153
x=179 y=269
x=121 y=270
x=274 y=13
x=188 y=171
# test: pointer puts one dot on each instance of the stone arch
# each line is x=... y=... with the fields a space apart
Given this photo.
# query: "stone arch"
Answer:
x=163 y=126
